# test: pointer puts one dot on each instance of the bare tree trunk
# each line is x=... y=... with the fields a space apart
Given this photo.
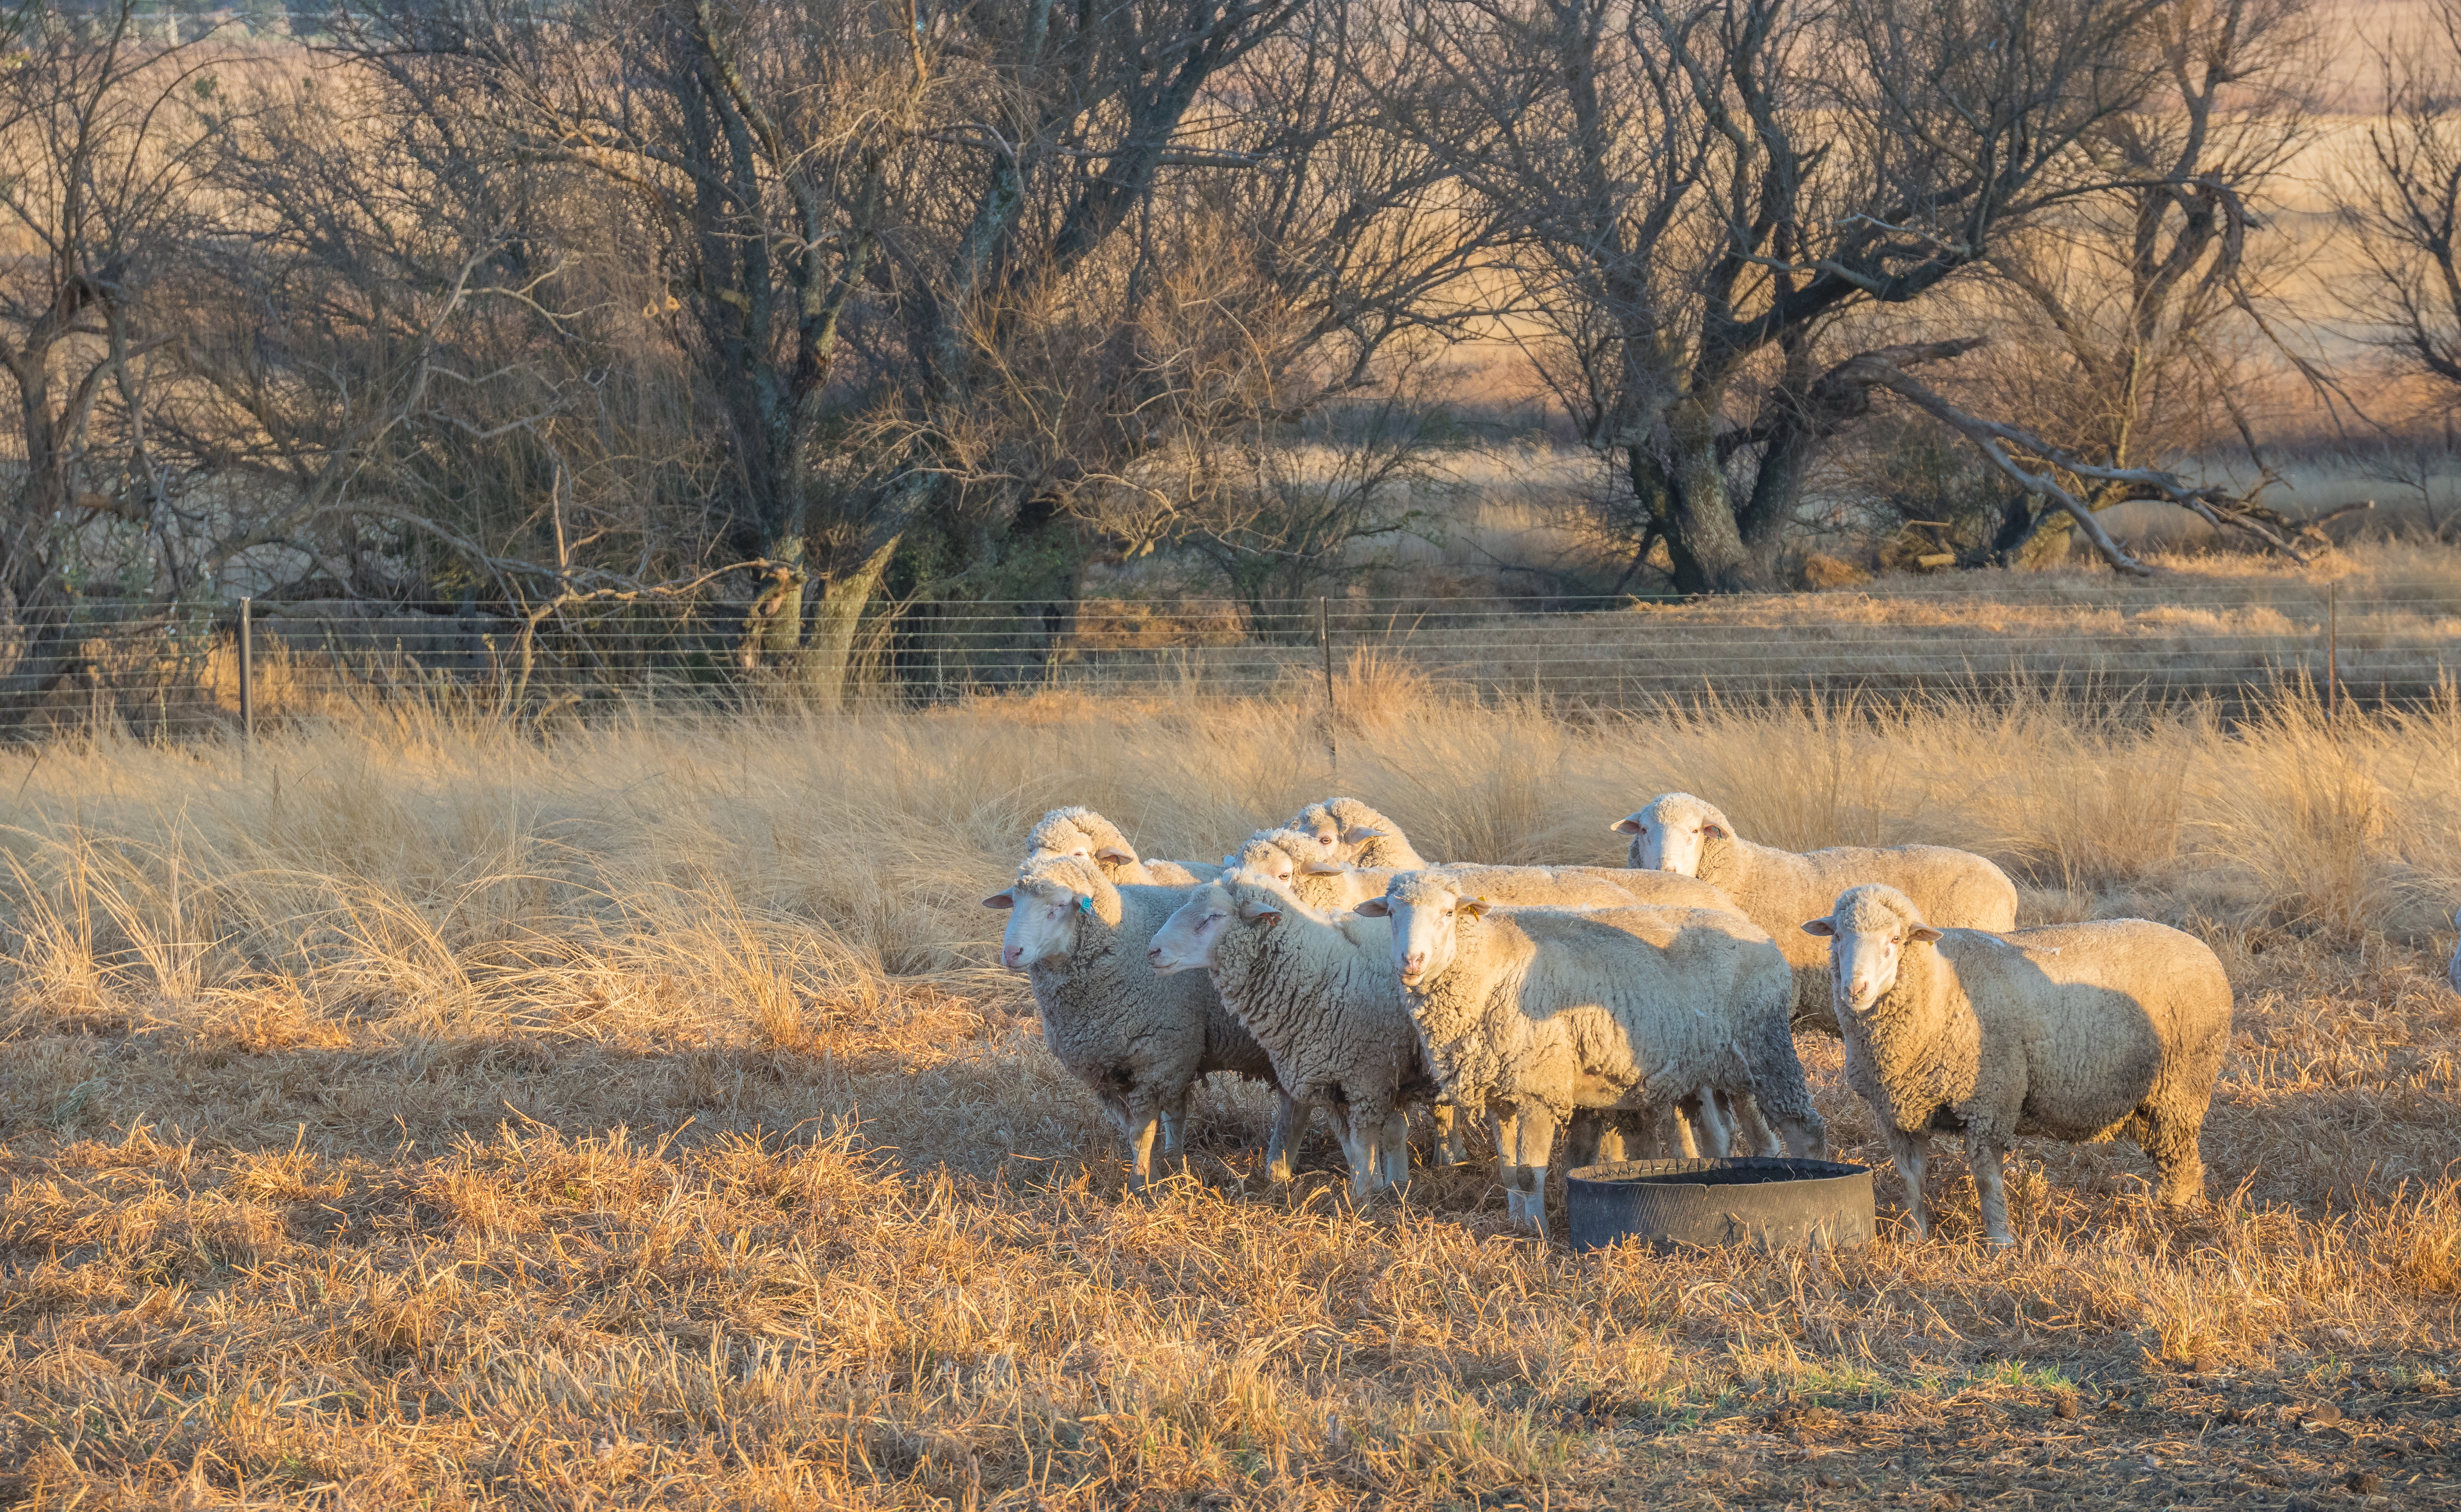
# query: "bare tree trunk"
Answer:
x=821 y=667
x=1708 y=546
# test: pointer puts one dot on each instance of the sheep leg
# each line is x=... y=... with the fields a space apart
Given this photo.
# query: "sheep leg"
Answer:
x=1448 y=1136
x=1584 y=1132
x=1396 y=1149
x=2171 y=1142
x=1365 y=1130
x=1282 y=1140
x=1745 y=1110
x=1984 y=1158
x=1503 y=1126
x=1359 y=1153
x=1684 y=1140
x=1909 y=1151
x=1717 y=1135
x=1174 y=1123
x=1143 y=1123
x=1533 y=1139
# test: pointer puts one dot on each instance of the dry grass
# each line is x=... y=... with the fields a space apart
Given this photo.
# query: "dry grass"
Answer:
x=423 y=1115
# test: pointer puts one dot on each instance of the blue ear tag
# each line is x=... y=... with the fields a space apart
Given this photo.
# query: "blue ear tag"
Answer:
x=1084 y=906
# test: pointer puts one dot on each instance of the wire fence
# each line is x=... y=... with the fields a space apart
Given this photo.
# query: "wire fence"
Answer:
x=194 y=670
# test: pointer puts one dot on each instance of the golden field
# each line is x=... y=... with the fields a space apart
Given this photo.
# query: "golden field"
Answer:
x=424 y=1112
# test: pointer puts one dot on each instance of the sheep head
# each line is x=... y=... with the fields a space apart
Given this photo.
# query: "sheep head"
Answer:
x=1673 y=831
x=1868 y=934
x=1188 y=938
x=1427 y=914
x=1338 y=827
x=1275 y=853
x=1048 y=902
x=1082 y=833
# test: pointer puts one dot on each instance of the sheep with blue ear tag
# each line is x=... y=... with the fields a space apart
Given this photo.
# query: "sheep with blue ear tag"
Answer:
x=1140 y=1042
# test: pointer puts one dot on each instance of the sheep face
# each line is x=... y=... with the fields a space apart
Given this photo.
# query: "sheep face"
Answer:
x=1048 y=904
x=1042 y=921
x=1332 y=837
x=1187 y=940
x=1671 y=832
x=1868 y=934
x=1427 y=917
x=1062 y=834
x=1275 y=853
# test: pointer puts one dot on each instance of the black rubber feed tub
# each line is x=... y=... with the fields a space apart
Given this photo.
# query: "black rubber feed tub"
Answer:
x=1767 y=1204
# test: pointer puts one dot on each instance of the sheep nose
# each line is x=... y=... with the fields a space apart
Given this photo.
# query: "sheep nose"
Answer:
x=1011 y=955
x=1154 y=955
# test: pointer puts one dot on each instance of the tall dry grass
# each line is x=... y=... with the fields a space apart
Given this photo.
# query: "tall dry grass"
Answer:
x=418 y=1111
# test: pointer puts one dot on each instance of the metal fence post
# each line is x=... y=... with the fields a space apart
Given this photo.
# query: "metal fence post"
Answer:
x=1324 y=636
x=2332 y=651
x=248 y=673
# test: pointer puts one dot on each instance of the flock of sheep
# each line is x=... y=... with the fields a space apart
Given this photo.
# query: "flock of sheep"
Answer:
x=1643 y=1011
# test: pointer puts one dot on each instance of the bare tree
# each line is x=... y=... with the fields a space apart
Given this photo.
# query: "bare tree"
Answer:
x=1703 y=193
x=2127 y=313
x=2403 y=201
x=101 y=162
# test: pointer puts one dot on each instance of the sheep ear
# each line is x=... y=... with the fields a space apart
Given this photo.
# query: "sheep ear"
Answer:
x=1119 y=854
x=1260 y=915
x=1470 y=907
x=1318 y=866
x=1923 y=932
x=1373 y=908
x=1713 y=831
x=1629 y=825
x=1001 y=900
x=1824 y=927
x=1359 y=832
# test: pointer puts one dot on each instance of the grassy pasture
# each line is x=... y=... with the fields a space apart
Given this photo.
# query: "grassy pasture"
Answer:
x=425 y=1114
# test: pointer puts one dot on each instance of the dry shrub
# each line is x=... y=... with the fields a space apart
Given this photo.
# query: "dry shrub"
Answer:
x=1821 y=571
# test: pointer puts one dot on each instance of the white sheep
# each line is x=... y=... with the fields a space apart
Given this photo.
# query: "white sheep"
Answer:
x=1345 y=829
x=1533 y=1012
x=1290 y=858
x=2077 y=1032
x=1338 y=884
x=1338 y=887
x=1139 y=1041
x=1778 y=890
x=1083 y=832
x=1279 y=854
x=1317 y=992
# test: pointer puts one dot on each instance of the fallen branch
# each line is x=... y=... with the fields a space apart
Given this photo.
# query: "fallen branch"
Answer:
x=1997 y=442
